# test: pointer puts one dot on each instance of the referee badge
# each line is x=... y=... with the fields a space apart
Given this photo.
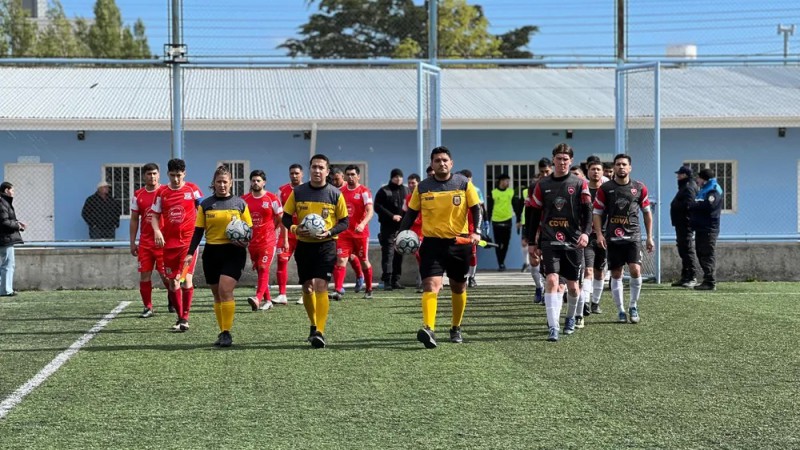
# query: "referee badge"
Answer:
x=325 y=213
x=711 y=198
x=457 y=200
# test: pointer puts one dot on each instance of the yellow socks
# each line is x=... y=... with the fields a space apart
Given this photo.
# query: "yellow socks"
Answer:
x=226 y=310
x=310 y=303
x=459 y=305
x=323 y=304
x=218 y=315
x=429 y=309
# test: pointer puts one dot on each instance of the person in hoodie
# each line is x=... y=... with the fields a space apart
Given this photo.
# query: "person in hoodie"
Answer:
x=10 y=236
x=704 y=216
x=388 y=203
x=684 y=235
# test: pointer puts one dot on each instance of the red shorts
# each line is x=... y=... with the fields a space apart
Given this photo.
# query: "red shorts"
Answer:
x=151 y=258
x=287 y=255
x=262 y=256
x=173 y=261
x=354 y=244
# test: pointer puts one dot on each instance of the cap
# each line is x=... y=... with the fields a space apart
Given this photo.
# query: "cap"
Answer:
x=396 y=173
x=686 y=170
x=102 y=184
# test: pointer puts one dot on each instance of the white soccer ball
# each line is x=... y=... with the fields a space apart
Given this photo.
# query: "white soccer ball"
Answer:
x=238 y=231
x=406 y=242
x=313 y=223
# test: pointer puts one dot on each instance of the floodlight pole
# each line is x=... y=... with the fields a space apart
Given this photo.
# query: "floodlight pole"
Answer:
x=786 y=30
x=175 y=54
x=433 y=31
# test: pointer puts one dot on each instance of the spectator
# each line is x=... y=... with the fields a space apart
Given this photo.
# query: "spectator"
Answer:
x=101 y=212
x=679 y=214
x=704 y=214
x=501 y=211
x=10 y=236
x=389 y=202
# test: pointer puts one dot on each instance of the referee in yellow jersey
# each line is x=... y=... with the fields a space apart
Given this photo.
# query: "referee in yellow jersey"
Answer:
x=444 y=200
x=315 y=254
x=223 y=260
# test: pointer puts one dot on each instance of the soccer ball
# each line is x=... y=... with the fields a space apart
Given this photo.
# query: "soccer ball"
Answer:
x=406 y=242
x=238 y=231
x=313 y=223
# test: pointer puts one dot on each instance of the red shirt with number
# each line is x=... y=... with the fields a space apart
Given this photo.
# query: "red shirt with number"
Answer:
x=263 y=211
x=178 y=209
x=357 y=200
x=142 y=202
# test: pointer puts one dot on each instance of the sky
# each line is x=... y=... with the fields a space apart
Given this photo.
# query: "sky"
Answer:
x=574 y=29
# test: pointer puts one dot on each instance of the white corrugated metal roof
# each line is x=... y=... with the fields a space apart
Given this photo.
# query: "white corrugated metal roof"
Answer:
x=353 y=98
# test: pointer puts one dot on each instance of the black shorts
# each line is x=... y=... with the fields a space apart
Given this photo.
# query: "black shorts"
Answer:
x=315 y=260
x=223 y=259
x=625 y=252
x=563 y=261
x=438 y=256
x=594 y=256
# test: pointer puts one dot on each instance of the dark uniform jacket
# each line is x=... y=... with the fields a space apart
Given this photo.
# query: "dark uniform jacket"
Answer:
x=679 y=208
x=389 y=202
x=707 y=207
x=9 y=225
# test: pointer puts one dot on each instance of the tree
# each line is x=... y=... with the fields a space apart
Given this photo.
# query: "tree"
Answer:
x=19 y=33
x=141 y=47
x=58 y=39
x=398 y=28
x=105 y=34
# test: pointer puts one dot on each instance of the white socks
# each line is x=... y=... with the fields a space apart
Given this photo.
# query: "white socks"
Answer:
x=572 y=305
x=472 y=270
x=585 y=295
x=552 y=304
x=636 y=289
x=537 y=277
x=597 y=290
x=616 y=293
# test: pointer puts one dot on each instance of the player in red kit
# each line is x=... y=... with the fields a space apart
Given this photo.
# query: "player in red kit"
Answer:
x=355 y=240
x=177 y=203
x=266 y=210
x=149 y=256
x=413 y=181
x=287 y=242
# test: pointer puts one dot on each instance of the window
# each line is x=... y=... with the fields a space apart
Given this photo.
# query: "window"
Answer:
x=362 y=167
x=726 y=177
x=240 y=175
x=522 y=175
x=124 y=179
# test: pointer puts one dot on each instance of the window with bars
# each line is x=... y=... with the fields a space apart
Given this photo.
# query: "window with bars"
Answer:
x=124 y=179
x=726 y=177
x=240 y=175
x=522 y=175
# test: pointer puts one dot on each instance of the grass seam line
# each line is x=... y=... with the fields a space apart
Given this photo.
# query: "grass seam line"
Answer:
x=17 y=396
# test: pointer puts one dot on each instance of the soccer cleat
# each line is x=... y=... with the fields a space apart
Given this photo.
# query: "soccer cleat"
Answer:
x=317 y=340
x=552 y=336
x=177 y=326
x=587 y=309
x=689 y=283
x=705 y=286
x=359 y=285
x=539 y=299
x=472 y=283
x=501 y=268
x=455 y=335
x=524 y=267
x=419 y=289
x=336 y=295
x=217 y=342
x=368 y=295
x=386 y=287
x=266 y=305
x=426 y=336
x=678 y=283
x=579 y=322
x=596 y=308
x=254 y=303
x=633 y=313
x=569 y=325
x=397 y=285
x=622 y=317
x=225 y=339
x=148 y=312
x=281 y=300
x=183 y=325
x=311 y=332
x=299 y=300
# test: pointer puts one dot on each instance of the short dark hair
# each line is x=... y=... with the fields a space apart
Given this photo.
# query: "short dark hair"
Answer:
x=594 y=162
x=320 y=156
x=707 y=174
x=563 y=148
x=592 y=159
x=429 y=169
x=503 y=176
x=4 y=186
x=608 y=165
x=466 y=172
x=353 y=167
x=545 y=162
x=415 y=176
x=439 y=150
x=258 y=173
x=625 y=156
x=176 y=165
x=296 y=166
x=336 y=170
x=149 y=167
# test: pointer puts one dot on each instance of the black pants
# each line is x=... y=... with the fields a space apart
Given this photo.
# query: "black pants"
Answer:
x=502 y=235
x=685 y=241
x=96 y=232
x=391 y=261
x=706 y=242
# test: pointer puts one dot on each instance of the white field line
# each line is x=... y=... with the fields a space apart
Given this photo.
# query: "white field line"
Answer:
x=17 y=396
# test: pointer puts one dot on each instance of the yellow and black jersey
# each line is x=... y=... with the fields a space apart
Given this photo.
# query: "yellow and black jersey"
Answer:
x=444 y=205
x=214 y=214
x=327 y=201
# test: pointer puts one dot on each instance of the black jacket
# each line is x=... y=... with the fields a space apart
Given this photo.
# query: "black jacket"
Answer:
x=101 y=213
x=9 y=225
x=389 y=202
x=679 y=208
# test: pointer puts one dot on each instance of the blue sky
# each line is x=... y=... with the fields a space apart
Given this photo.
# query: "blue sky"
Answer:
x=568 y=28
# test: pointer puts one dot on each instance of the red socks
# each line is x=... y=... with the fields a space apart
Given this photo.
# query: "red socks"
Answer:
x=146 y=289
x=262 y=286
x=368 y=279
x=338 y=277
x=187 y=301
x=283 y=276
x=355 y=263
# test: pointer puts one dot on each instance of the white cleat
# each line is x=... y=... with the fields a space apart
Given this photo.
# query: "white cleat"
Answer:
x=281 y=300
x=266 y=305
x=299 y=301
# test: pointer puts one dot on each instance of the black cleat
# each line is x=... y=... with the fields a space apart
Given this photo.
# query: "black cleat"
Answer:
x=148 y=312
x=397 y=285
x=426 y=336
x=317 y=340
x=472 y=283
x=225 y=339
x=587 y=310
x=596 y=308
x=183 y=325
x=455 y=335
x=368 y=295
x=706 y=286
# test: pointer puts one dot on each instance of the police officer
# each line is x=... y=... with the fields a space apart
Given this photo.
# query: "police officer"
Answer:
x=684 y=235
x=704 y=214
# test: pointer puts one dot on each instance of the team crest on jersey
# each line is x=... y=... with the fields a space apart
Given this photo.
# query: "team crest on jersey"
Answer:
x=265 y=204
x=619 y=232
x=325 y=213
x=560 y=236
x=457 y=200
x=634 y=191
x=559 y=202
x=571 y=190
x=357 y=196
x=187 y=196
x=622 y=203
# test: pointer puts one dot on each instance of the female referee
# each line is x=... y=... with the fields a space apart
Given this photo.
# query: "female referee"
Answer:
x=223 y=260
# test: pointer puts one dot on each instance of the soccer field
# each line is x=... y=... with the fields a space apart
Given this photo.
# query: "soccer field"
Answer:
x=714 y=370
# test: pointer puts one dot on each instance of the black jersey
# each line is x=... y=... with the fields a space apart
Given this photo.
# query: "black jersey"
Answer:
x=560 y=200
x=619 y=205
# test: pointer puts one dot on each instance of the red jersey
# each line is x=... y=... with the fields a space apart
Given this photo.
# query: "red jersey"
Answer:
x=142 y=202
x=263 y=211
x=178 y=209
x=416 y=227
x=357 y=200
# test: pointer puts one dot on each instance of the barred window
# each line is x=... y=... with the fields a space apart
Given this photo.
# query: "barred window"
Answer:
x=522 y=175
x=124 y=179
x=726 y=171
x=240 y=175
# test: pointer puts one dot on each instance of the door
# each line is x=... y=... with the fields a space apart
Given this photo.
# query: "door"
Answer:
x=34 y=200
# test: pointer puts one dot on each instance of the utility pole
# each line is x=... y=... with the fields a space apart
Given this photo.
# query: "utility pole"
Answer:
x=621 y=53
x=786 y=30
x=175 y=54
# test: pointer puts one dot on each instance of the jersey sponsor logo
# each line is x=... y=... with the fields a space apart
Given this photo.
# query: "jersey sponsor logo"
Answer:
x=619 y=232
x=457 y=200
x=559 y=202
x=559 y=222
x=560 y=236
x=571 y=190
x=176 y=214
x=621 y=220
x=257 y=219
